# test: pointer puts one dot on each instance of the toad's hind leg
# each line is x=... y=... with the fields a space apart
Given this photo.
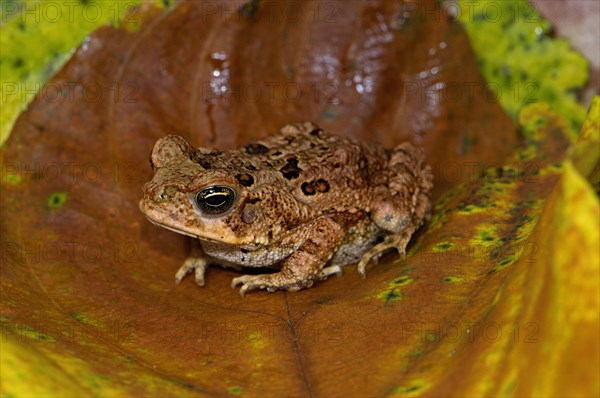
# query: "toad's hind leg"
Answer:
x=303 y=267
x=402 y=206
x=396 y=241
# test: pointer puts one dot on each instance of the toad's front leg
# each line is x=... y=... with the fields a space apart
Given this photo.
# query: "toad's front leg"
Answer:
x=196 y=262
x=303 y=267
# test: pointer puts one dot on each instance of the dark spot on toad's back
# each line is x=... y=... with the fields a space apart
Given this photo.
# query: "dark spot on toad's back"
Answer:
x=322 y=185
x=316 y=132
x=245 y=179
x=291 y=169
x=256 y=149
x=308 y=188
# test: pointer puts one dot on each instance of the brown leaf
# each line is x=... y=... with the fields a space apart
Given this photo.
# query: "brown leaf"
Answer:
x=86 y=274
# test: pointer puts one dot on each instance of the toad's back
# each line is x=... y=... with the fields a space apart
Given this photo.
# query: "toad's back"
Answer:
x=320 y=169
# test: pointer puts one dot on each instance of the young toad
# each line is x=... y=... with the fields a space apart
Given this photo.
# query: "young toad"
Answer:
x=302 y=202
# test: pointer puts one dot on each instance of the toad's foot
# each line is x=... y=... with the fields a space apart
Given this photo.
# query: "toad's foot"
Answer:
x=398 y=241
x=196 y=264
x=332 y=269
x=280 y=281
x=271 y=282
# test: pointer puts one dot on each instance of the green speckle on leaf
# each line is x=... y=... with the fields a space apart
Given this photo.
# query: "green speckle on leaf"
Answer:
x=81 y=318
x=289 y=71
x=403 y=281
x=236 y=390
x=505 y=262
x=57 y=200
x=466 y=143
x=13 y=178
x=486 y=235
x=471 y=208
x=431 y=336
x=392 y=291
x=28 y=333
x=330 y=114
x=407 y=390
x=442 y=247
x=324 y=299
x=453 y=279
x=416 y=353
x=390 y=295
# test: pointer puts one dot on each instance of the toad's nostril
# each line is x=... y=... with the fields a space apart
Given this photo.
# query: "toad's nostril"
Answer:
x=165 y=194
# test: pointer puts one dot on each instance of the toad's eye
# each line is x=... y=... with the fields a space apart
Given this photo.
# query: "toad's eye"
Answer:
x=215 y=200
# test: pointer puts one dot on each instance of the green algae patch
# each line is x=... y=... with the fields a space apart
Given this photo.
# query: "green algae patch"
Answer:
x=519 y=57
x=57 y=200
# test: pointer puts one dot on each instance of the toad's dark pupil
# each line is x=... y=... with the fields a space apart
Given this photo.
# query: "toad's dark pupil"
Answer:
x=215 y=200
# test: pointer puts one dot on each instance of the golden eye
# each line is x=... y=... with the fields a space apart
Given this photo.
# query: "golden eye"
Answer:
x=215 y=200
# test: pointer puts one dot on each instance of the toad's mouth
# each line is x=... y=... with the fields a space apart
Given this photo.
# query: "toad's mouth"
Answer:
x=182 y=232
x=179 y=231
x=159 y=222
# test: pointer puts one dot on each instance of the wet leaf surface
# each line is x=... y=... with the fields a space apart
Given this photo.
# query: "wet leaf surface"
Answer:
x=87 y=283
